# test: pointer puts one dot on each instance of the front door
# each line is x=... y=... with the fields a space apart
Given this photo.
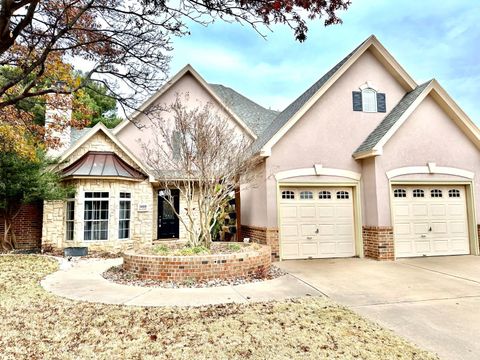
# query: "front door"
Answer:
x=168 y=223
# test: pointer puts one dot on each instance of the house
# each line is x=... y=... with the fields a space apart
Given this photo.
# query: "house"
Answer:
x=366 y=162
x=118 y=203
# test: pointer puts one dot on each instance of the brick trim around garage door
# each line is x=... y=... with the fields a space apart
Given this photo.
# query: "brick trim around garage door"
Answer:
x=378 y=242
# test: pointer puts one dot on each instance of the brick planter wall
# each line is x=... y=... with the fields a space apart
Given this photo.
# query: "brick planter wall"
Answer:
x=378 y=242
x=205 y=267
x=27 y=226
x=265 y=236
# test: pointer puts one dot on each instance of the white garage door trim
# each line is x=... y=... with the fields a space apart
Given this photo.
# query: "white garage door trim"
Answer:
x=311 y=237
x=431 y=219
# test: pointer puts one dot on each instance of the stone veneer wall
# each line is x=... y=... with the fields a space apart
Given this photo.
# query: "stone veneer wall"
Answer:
x=141 y=223
x=263 y=235
x=255 y=262
x=27 y=226
x=378 y=242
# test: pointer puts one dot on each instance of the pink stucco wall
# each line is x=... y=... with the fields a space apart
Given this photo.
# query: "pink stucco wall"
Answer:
x=134 y=136
x=330 y=131
x=428 y=135
x=254 y=199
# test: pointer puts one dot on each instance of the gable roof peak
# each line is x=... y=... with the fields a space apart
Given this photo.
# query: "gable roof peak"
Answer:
x=288 y=117
x=186 y=69
x=373 y=144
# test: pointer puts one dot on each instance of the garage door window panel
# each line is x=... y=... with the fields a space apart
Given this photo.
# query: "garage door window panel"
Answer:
x=400 y=193
x=288 y=195
x=322 y=195
x=436 y=193
x=454 y=193
x=343 y=195
x=418 y=193
x=306 y=195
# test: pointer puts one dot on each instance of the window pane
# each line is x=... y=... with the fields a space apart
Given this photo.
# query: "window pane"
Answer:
x=342 y=195
x=324 y=195
x=418 y=193
x=96 y=219
x=454 y=193
x=369 y=99
x=287 y=194
x=305 y=195
x=124 y=216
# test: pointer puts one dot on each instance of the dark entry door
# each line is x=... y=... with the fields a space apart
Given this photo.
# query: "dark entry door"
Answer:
x=168 y=223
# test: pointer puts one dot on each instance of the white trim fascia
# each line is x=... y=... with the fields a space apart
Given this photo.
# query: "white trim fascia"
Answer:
x=367 y=154
x=465 y=120
x=100 y=126
x=438 y=93
x=317 y=170
x=187 y=69
x=372 y=41
x=444 y=170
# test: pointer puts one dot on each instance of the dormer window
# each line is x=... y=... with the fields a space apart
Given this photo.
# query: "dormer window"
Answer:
x=368 y=99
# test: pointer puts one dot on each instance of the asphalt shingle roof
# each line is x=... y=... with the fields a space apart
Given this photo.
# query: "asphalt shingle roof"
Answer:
x=255 y=116
x=387 y=123
x=295 y=106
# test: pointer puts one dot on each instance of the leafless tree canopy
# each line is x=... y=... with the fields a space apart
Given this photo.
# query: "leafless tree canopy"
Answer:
x=202 y=154
x=123 y=41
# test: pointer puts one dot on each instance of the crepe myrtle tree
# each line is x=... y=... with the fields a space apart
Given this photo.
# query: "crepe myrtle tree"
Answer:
x=203 y=155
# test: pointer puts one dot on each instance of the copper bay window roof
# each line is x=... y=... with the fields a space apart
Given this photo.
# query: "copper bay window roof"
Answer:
x=102 y=164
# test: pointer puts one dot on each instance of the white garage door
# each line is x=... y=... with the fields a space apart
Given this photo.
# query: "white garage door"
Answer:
x=430 y=220
x=316 y=223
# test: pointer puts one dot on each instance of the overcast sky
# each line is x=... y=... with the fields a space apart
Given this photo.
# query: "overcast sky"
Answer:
x=429 y=38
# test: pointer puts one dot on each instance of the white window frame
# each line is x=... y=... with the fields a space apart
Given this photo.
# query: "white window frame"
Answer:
x=107 y=199
x=367 y=106
x=129 y=200
x=72 y=221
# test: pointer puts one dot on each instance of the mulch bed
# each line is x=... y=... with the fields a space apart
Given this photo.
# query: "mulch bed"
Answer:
x=118 y=275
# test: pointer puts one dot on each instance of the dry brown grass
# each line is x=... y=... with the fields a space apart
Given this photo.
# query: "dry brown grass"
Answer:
x=38 y=325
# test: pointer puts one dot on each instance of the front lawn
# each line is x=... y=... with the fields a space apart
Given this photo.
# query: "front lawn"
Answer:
x=38 y=325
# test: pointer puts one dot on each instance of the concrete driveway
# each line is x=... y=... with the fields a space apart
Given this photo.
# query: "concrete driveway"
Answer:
x=434 y=302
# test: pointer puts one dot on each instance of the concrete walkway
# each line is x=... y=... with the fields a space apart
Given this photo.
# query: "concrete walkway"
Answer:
x=83 y=281
x=434 y=301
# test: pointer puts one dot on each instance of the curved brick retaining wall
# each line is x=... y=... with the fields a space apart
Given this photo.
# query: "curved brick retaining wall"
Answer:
x=203 y=267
